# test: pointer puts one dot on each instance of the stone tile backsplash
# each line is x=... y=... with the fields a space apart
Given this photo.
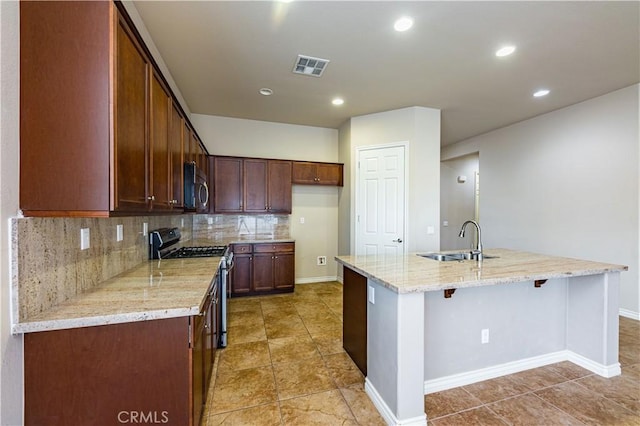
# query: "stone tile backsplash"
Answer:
x=48 y=266
x=230 y=227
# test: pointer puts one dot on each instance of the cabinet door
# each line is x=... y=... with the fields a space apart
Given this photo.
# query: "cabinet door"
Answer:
x=197 y=374
x=263 y=271
x=210 y=339
x=241 y=273
x=176 y=156
x=186 y=141
x=279 y=186
x=255 y=186
x=159 y=157
x=329 y=174
x=303 y=172
x=131 y=149
x=283 y=270
x=227 y=180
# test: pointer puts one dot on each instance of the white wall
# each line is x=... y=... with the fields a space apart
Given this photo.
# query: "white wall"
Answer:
x=421 y=128
x=11 y=384
x=457 y=201
x=566 y=183
x=318 y=236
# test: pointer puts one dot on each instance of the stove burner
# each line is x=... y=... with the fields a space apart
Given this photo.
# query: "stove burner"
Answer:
x=206 y=251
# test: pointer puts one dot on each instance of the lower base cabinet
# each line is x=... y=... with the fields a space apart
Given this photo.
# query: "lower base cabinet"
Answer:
x=263 y=268
x=149 y=372
x=354 y=317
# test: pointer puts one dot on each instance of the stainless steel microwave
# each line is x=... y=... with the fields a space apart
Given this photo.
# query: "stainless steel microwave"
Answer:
x=196 y=189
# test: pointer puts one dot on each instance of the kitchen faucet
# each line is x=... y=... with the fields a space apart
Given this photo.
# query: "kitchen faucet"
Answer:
x=477 y=253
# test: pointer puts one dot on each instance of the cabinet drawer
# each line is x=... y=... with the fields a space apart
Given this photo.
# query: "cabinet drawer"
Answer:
x=242 y=248
x=274 y=248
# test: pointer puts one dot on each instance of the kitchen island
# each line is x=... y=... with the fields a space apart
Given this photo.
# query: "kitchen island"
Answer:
x=435 y=325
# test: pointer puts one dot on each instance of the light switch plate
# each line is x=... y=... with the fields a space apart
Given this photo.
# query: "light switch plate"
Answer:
x=145 y=229
x=372 y=295
x=119 y=232
x=85 y=239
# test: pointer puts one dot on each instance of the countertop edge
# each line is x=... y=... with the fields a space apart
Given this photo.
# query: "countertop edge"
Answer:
x=62 y=324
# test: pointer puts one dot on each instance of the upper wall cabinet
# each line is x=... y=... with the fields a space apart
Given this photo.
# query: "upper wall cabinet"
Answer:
x=100 y=132
x=313 y=173
x=250 y=185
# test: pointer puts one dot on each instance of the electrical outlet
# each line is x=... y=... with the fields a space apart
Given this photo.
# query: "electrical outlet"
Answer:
x=145 y=229
x=209 y=221
x=322 y=260
x=119 y=232
x=484 y=336
x=372 y=295
x=182 y=222
x=85 y=239
x=302 y=220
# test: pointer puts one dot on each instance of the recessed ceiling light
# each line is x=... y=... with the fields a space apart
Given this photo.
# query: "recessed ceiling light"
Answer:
x=265 y=91
x=337 y=101
x=505 y=51
x=540 y=93
x=403 y=24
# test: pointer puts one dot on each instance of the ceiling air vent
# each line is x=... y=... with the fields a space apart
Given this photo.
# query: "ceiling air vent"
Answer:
x=307 y=65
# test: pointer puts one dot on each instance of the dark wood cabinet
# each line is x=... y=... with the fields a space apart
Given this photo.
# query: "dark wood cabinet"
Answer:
x=267 y=186
x=354 y=314
x=242 y=269
x=251 y=185
x=176 y=149
x=103 y=375
x=227 y=184
x=313 y=173
x=263 y=268
x=159 y=151
x=95 y=115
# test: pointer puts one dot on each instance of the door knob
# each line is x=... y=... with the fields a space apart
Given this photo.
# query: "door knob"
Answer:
x=399 y=240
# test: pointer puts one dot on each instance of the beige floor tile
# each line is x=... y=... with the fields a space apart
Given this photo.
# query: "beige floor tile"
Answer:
x=263 y=415
x=243 y=333
x=569 y=370
x=496 y=389
x=530 y=410
x=302 y=378
x=318 y=326
x=621 y=389
x=285 y=327
x=246 y=317
x=538 y=378
x=629 y=354
x=587 y=406
x=361 y=406
x=632 y=371
x=242 y=389
x=343 y=370
x=291 y=349
x=277 y=303
x=326 y=408
x=450 y=401
x=243 y=304
x=328 y=343
x=245 y=355
x=287 y=313
x=474 y=417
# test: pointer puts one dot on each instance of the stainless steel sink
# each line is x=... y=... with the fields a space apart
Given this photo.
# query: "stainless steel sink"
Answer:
x=450 y=257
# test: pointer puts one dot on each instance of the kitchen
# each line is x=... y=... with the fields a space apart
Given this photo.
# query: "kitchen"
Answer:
x=607 y=240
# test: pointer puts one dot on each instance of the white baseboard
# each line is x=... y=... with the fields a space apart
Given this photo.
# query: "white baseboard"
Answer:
x=469 y=377
x=386 y=412
x=629 y=314
x=313 y=280
x=601 y=370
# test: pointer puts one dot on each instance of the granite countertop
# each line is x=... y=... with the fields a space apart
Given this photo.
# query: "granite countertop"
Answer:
x=248 y=239
x=156 y=289
x=414 y=274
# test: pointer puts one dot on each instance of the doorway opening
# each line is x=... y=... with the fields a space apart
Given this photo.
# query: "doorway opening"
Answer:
x=459 y=200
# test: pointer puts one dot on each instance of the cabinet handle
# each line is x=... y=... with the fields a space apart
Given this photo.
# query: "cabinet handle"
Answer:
x=151 y=198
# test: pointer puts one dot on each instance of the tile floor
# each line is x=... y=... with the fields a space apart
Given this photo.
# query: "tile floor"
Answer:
x=285 y=366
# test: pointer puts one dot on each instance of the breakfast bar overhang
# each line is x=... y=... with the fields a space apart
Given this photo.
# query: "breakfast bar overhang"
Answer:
x=424 y=320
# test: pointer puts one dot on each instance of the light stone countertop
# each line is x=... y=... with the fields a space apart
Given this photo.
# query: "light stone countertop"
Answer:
x=156 y=289
x=414 y=274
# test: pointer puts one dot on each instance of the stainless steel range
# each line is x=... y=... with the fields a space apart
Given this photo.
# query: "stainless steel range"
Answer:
x=164 y=244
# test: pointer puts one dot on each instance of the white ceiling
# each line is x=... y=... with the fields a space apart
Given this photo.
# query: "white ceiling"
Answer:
x=221 y=53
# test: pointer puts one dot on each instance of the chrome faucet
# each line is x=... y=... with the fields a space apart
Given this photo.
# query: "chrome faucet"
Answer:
x=477 y=253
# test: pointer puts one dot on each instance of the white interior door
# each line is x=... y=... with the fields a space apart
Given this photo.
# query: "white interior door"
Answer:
x=380 y=202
